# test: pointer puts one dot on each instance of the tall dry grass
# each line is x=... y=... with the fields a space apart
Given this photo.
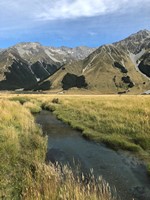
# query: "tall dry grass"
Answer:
x=58 y=183
x=118 y=119
x=21 y=143
x=23 y=173
x=121 y=122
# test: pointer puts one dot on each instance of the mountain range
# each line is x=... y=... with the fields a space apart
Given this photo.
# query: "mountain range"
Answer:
x=121 y=67
x=26 y=64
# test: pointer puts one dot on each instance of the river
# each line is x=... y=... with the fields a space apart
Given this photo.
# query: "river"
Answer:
x=120 y=169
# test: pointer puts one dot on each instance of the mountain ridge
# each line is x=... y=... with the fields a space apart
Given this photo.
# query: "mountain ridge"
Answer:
x=113 y=68
x=120 y=67
x=36 y=61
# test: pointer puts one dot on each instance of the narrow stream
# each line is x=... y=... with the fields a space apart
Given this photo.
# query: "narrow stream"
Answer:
x=119 y=169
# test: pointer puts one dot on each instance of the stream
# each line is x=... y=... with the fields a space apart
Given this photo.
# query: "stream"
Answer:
x=120 y=169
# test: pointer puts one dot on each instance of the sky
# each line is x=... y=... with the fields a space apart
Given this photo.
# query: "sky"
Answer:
x=71 y=22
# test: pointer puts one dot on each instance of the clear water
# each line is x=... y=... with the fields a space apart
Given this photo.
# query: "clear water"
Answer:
x=121 y=170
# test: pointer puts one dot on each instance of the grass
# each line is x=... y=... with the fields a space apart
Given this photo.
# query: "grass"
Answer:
x=58 y=183
x=23 y=172
x=21 y=99
x=121 y=122
x=21 y=143
x=33 y=107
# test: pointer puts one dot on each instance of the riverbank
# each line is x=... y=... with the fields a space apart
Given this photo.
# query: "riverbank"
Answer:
x=24 y=175
x=121 y=122
x=22 y=147
x=120 y=169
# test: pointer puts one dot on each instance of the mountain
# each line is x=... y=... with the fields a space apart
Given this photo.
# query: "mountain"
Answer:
x=26 y=64
x=120 y=67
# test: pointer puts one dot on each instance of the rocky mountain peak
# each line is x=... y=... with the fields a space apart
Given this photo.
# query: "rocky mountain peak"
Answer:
x=120 y=67
x=135 y=42
x=27 y=44
x=31 y=59
x=139 y=36
x=143 y=33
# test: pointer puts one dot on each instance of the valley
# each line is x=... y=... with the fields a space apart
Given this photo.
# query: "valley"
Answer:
x=75 y=122
x=119 y=122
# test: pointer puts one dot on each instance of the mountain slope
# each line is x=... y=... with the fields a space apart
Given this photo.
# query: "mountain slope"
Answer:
x=116 y=68
x=26 y=64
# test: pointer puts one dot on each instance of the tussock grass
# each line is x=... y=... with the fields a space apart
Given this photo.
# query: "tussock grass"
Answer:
x=23 y=172
x=121 y=122
x=125 y=120
x=56 y=183
x=21 y=99
x=33 y=107
x=21 y=143
x=30 y=103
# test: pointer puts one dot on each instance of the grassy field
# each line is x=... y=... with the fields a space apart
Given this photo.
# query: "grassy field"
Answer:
x=23 y=172
x=121 y=122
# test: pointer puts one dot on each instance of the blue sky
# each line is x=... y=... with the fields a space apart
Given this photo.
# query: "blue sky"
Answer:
x=71 y=22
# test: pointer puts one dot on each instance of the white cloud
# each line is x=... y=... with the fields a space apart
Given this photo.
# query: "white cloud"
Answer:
x=34 y=10
x=71 y=9
x=67 y=9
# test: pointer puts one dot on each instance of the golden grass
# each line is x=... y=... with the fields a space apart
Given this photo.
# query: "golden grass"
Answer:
x=23 y=173
x=58 y=183
x=121 y=122
x=21 y=142
x=32 y=106
x=107 y=116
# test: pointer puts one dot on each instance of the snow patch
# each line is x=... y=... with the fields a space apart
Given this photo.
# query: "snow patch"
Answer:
x=38 y=79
